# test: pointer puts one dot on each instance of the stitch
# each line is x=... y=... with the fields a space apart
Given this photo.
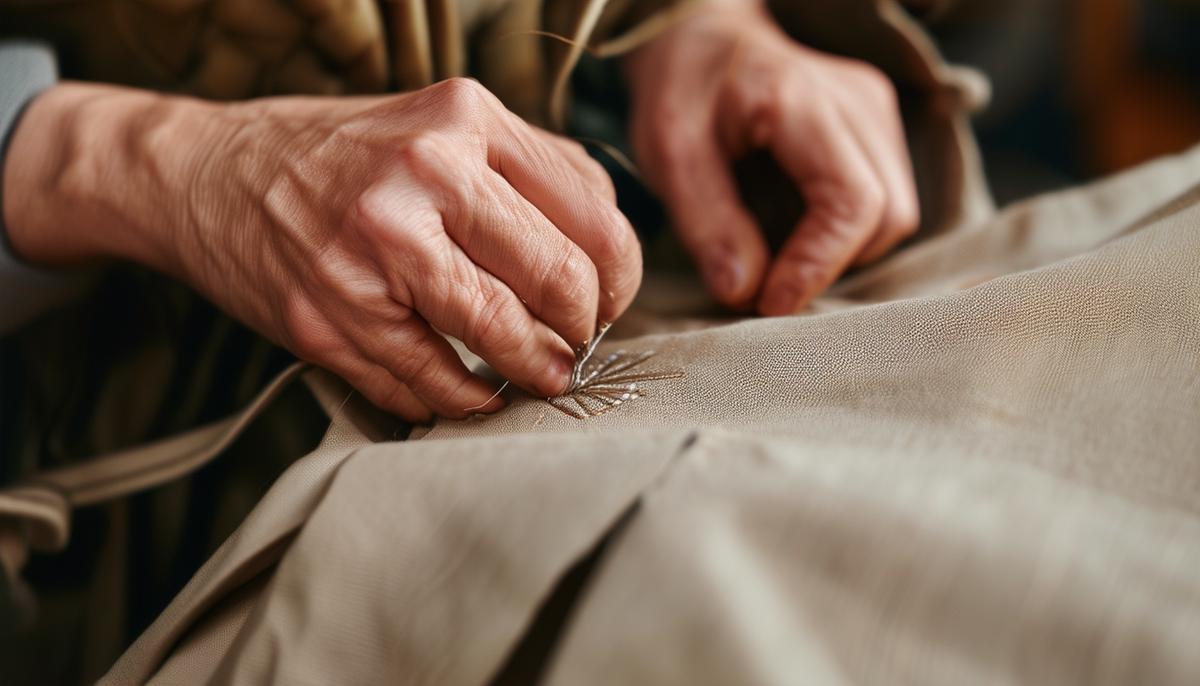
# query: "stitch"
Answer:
x=583 y=353
x=601 y=386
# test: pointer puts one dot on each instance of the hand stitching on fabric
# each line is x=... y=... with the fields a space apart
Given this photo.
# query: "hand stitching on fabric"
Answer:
x=603 y=385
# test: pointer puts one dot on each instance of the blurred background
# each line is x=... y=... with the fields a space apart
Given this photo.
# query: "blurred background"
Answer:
x=1081 y=88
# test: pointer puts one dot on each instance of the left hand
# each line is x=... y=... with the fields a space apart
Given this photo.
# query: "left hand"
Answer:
x=728 y=81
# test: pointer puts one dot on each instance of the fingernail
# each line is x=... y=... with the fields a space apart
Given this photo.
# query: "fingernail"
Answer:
x=558 y=377
x=725 y=274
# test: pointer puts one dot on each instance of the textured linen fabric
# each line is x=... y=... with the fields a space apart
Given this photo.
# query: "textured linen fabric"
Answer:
x=137 y=359
x=977 y=463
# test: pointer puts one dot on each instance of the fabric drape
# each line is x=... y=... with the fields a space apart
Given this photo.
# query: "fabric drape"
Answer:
x=976 y=464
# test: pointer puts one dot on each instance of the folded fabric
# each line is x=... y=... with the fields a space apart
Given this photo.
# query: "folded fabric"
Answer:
x=977 y=463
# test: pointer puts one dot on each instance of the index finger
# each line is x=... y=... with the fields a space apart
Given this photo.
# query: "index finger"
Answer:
x=579 y=210
x=844 y=205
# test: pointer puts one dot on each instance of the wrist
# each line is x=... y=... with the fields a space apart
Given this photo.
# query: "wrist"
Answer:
x=98 y=172
x=710 y=20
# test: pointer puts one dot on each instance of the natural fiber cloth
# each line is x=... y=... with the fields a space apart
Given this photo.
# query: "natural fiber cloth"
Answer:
x=137 y=359
x=978 y=463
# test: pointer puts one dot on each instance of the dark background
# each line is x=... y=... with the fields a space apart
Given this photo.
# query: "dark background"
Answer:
x=1081 y=88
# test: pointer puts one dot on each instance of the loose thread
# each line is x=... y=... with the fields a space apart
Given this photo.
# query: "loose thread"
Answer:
x=627 y=42
x=494 y=396
x=582 y=357
x=617 y=156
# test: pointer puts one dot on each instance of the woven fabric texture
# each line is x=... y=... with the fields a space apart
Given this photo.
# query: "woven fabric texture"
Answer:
x=977 y=464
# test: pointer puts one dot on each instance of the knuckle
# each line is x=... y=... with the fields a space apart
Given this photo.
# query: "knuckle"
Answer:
x=858 y=205
x=458 y=88
x=577 y=155
x=572 y=148
x=463 y=95
x=572 y=270
x=425 y=152
x=370 y=211
x=599 y=179
x=617 y=244
x=492 y=325
x=875 y=82
x=468 y=201
x=416 y=359
x=604 y=185
x=573 y=284
x=870 y=201
x=305 y=331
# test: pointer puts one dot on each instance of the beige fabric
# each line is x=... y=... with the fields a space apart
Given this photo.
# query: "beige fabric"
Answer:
x=231 y=49
x=257 y=542
x=979 y=465
x=428 y=41
x=974 y=463
x=915 y=472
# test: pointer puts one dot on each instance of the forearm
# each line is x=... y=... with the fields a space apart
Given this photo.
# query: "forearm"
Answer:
x=637 y=65
x=95 y=172
x=352 y=231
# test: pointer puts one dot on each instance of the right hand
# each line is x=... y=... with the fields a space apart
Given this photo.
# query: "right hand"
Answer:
x=353 y=231
x=727 y=81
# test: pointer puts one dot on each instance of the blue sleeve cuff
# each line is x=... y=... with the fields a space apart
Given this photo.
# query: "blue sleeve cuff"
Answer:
x=26 y=69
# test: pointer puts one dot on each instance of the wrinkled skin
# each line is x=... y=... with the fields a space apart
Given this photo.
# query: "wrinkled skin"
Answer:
x=727 y=81
x=353 y=230
x=436 y=210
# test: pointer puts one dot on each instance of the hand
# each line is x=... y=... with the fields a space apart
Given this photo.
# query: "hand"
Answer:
x=352 y=231
x=728 y=81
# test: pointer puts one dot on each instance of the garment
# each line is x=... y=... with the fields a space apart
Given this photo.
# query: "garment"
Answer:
x=233 y=49
x=889 y=416
x=26 y=69
x=976 y=463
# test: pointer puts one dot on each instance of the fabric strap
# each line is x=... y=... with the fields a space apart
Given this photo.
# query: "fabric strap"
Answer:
x=36 y=513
